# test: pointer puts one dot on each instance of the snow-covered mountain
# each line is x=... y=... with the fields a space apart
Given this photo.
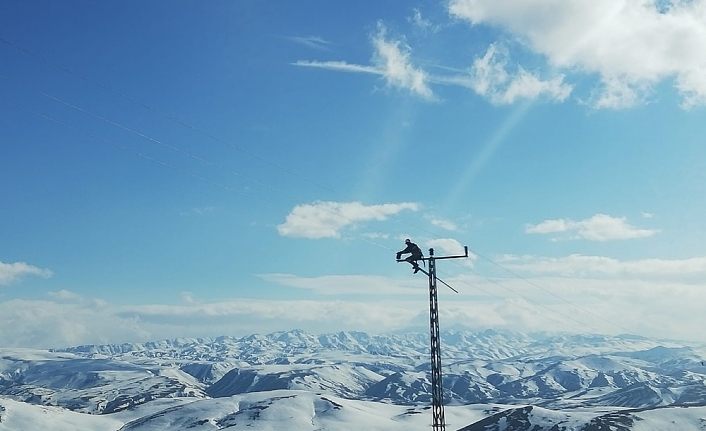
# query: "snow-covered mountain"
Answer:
x=490 y=378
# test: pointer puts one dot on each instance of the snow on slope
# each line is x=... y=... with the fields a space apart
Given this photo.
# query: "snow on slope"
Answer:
x=303 y=410
x=18 y=416
x=340 y=379
x=89 y=385
x=532 y=418
x=681 y=419
x=590 y=378
x=298 y=410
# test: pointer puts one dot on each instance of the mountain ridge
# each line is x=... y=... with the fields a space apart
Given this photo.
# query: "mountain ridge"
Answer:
x=553 y=373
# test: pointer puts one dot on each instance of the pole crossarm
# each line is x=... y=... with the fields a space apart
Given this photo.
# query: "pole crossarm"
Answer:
x=460 y=256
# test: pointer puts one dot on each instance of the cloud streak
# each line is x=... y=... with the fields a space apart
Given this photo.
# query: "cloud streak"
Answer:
x=345 y=284
x=339 y=66
x=600 y=227
x=581 y=265
x=490 y=76
x=391 y=60
x=314 y=42
x=443 y=223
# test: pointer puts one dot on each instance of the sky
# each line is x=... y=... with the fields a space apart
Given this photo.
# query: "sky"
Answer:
x=194 y=169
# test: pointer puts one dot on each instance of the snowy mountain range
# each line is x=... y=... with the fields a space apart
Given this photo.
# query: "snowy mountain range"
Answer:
x=351 y=380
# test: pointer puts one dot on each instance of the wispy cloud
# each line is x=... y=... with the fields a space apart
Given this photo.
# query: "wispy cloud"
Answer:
x=199 y=211
x=443 y=223
x=13 y=272
x=340 y=66
x=667 y=308
x=55 y=324
x=65 y=295
x=391 y=61
x=631 y=46
x=65 y=320
x=394 y=58
x=581 y=265
x=446 y=245
x=450 y=246
x=618 y=93
x=421 y=22
x=314 y=42
x=328 y=219
x=345 y=284
x=600 y=227
x=376 y=235
x=491 y=77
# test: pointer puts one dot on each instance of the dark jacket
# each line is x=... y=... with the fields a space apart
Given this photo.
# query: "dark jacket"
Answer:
x=413 y=249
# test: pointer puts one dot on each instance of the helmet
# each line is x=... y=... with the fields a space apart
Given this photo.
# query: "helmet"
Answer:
x=407 y=241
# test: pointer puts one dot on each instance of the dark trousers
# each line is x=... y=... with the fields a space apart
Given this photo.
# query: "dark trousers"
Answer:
x=413 y=261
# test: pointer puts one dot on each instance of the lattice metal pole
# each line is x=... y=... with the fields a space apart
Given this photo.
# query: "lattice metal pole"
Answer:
x=437 y=389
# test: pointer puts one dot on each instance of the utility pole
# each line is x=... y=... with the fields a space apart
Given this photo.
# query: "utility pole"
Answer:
x=437 y=390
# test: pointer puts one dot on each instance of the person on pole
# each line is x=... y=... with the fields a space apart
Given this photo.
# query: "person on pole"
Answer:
x=415 y=254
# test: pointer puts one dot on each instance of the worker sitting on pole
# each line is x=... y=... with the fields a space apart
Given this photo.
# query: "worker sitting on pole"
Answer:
x=416 y=254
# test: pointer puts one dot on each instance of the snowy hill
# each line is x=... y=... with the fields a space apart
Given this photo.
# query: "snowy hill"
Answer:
x=335 y=380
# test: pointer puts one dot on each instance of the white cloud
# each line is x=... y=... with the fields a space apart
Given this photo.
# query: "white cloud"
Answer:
x=65 y=295
x=12 y=272
x=631 y=45
x=391 y=60
x=489 y=77
x=650 y=307
x=327 y=219
x=666 y=307
x=617 y=93
x=450 y=246
x=188 y=297
x=392 y=57
x=44 y=323
x=581 y=265
x=422 y=23
x=446 y=245
x=340 y=66
x=600 y=227
x=443 y=224
x=376 y=235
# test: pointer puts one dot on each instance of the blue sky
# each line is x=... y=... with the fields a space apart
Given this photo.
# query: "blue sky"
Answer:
x=197 y=169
